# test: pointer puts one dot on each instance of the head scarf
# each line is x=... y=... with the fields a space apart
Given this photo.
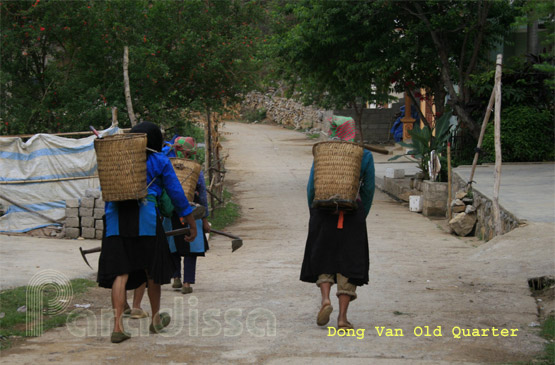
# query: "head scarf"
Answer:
x=185 y=147
x=153 y=134
x=342 y=128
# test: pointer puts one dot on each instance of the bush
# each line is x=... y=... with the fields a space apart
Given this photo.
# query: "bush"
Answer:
x=255 y=115
x=527 y=135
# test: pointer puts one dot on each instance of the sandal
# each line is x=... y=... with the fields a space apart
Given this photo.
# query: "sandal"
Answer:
x=138 y=313
x=324 y=315
x=118 y=337
x=165 y=320
x=126 y=309
x=346 y=326
x=186 y=290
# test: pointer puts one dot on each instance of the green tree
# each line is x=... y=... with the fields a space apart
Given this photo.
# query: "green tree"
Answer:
x=62 y=61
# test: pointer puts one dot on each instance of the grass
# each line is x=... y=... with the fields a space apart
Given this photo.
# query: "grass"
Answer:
x=13 y=322
x=313 y=135
x=548 y=332
x=225 y=214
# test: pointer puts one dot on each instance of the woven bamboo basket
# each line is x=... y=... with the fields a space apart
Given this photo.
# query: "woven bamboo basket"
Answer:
x=121 y=160
x=187 y=172
x=336 y=174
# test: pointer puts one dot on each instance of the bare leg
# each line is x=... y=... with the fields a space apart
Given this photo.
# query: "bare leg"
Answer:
x=154 y=292
x=138 y=296
x=344 y=300
x=325 y=291
x=119 y=299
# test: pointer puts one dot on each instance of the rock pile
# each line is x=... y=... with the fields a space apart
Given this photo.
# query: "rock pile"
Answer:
x=287 y=112
x=464 y=213
x=84 y=216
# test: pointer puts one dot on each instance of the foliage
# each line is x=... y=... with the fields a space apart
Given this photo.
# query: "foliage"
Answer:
x=424 y=141
x=225 y=214
x=62 y=60
x=331 y=52
x=527 y=134
x=14 y=323
x=255 y=115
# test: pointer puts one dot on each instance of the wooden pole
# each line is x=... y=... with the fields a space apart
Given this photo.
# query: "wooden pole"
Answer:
x=497 y=136
x=114 y=116
x=407 y=120
x=449 y=182
x=128 y=100
x=482 y=133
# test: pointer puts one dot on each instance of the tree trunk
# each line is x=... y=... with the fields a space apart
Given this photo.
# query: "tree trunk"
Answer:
x=358 y=121
x=128 y=101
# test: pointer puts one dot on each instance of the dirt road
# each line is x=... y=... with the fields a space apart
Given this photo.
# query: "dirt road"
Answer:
x=250 y=307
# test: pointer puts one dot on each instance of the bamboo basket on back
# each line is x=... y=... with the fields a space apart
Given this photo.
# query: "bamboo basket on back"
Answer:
x=121 y=160
x=336 y=174
x=187 y=172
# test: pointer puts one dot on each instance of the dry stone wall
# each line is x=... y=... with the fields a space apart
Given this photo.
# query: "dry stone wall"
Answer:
x=376 y=123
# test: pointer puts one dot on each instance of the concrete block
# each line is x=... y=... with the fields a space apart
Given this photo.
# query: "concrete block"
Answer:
x=87 y=222
x=98 y=234
x=72 y=212
x=92 y=193
x=99 y=203
x=72 y=222
x=415 y=203
x=72 y=203
x=85 y=212
x=394 y=173
x=87 y=202
x=99 y=224
x=72 y=233
x=98 y=213
x=89 y=233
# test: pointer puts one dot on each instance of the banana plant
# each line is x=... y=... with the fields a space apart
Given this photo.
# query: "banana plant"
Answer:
x=424 y=141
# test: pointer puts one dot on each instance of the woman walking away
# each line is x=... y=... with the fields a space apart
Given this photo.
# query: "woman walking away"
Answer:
x=185 y=147
x=134 y=246
x=336 y=249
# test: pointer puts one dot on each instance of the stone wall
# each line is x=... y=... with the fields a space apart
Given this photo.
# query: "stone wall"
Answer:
x=288 y=112
x=376 y=123
x=485 y=229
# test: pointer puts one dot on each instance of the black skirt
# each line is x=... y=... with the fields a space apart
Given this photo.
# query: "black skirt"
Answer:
x=137 y=256
x=330 y=250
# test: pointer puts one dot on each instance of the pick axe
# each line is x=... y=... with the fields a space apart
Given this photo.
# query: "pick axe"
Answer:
x=236 y=244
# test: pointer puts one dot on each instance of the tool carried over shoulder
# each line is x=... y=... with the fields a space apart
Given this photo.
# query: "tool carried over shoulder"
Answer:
x=236 y=244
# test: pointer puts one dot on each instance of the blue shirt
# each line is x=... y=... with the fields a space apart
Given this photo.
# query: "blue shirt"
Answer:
x=367 y=177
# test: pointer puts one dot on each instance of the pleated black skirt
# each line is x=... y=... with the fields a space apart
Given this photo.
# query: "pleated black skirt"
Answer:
x=330 y=250
x=137 y=256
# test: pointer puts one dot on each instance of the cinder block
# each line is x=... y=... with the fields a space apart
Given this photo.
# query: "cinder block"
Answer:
x=87 y=222
x=87 y=203
x=99 y=224
x=89 y=233
x=72 y=203
x=72 y=212
x=394 y=173
x=98 y=234
x=415 y=203
x=92 y=193
x=99 y=203
x=85 y=212
x=72 y=222
x=72 y=233
x=98 y=213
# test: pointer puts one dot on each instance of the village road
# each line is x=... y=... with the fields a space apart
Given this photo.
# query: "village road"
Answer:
x=250 y=307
